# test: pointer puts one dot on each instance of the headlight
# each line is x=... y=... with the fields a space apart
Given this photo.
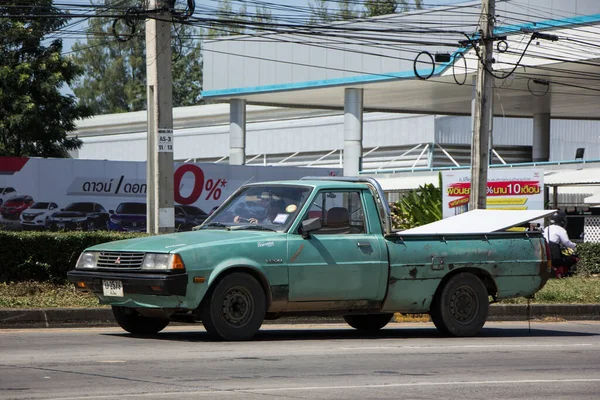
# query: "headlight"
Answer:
x=87 y=260
x=154 y=261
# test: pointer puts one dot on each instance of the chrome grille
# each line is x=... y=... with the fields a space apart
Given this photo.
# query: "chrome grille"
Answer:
x=120 y=260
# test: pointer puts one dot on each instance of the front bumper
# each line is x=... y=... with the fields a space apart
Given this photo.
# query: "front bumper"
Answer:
x=133 y=283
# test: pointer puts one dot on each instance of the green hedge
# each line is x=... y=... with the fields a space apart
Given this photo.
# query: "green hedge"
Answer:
x=589 y=262
x=46 y=256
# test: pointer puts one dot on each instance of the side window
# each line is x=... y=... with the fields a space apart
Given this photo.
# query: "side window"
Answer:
x=339 y=212
x=53 y=206
x=98 y=208
x=179 y=212
x=9 y=190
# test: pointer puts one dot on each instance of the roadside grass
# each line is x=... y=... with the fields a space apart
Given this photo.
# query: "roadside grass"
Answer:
x=574 y=290
x=582 y=290
x=44 y=295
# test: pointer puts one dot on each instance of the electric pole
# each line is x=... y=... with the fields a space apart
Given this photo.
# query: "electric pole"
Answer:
x=159 y=167
x=483 y=112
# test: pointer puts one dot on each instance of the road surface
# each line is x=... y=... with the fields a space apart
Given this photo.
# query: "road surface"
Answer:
x=405 y=361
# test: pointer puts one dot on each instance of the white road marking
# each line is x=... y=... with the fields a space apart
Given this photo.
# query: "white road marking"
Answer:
x=323 y=388
x=467 y=346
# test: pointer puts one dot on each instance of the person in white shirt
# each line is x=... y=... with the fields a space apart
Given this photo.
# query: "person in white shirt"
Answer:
x=558 y=238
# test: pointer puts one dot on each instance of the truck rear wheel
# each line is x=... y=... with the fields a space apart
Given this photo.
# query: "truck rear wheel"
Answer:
x=368 y=322
x=235 y=308
x=133 y=322
x=461 y=307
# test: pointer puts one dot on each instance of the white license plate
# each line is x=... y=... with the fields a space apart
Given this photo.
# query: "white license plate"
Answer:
x=112 y=288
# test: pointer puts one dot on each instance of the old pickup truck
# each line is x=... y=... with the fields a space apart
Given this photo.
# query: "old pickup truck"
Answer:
x=309 y=247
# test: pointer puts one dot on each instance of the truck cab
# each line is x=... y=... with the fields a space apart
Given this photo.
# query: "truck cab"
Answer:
x=316 y=246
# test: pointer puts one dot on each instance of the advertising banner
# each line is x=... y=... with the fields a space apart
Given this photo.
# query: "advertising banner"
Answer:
x=506 y=190
x=100 y=194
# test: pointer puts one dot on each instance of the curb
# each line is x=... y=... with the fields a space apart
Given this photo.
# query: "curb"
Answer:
x=90 y=317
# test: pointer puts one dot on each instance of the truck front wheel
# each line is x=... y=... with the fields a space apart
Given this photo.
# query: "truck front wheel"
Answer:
x=460 y=308
x=369 y=322
x=134 y=322
x=235 y=308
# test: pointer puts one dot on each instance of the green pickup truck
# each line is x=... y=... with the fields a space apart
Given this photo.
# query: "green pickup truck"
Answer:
x=315 y=246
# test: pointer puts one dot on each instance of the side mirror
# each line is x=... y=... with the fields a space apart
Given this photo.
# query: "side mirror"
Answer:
x=310 y=225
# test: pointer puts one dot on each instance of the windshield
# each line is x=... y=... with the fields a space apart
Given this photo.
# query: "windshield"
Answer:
x=131 y=208
x=39 y=206
x=271 y=206
x=80 y=207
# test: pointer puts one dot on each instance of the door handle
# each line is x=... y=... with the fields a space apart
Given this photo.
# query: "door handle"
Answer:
x=363 y=244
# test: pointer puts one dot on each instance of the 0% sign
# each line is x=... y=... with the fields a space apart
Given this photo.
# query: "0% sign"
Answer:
x=208 y=189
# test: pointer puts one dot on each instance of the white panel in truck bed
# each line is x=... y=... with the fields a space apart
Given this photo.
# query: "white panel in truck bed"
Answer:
x=479 y=221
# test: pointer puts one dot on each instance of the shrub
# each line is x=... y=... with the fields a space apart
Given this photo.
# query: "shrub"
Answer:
x=589 y=261
x=46 y=256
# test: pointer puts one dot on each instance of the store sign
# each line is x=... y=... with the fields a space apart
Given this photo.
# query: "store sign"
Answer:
x=110 y=183
x=506 y=190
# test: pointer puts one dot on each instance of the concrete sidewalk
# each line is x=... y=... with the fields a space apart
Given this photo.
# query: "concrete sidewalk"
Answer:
x=81 y=317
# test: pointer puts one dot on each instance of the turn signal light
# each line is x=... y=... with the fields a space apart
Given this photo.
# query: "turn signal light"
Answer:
x=177 y=262
x=81 y=285
x=199 y=279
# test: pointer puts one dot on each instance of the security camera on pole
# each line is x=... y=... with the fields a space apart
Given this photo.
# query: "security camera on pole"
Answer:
x=483 y=112
x=159 y=167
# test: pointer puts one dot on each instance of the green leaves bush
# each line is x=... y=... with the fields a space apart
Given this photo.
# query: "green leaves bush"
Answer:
x=418 y=207
x=589 y=262
x=46 y=256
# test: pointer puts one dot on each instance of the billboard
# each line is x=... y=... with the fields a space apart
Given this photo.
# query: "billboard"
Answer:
x=507 y=189
x=102 y=194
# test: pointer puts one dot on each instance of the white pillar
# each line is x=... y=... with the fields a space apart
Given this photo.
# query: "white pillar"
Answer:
x=353 y=131
x=237 y=132
x=541 y=137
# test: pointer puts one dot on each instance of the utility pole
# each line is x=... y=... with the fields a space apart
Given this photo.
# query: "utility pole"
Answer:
x=483 y=109
x=159 y=167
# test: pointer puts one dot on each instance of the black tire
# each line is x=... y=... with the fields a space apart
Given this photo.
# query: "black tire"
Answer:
x=368 y=323
x=234 y=308
x=91 y=226
x=133 y=322
x=460 y=308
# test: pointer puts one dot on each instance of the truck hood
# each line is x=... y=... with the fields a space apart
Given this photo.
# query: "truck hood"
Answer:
x=175 y=242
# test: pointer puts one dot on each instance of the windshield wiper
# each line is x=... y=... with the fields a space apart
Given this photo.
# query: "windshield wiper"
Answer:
x=215 y=225
x=253 y=227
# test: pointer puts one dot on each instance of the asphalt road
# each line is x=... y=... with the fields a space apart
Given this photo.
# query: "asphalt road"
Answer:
x=404 y=361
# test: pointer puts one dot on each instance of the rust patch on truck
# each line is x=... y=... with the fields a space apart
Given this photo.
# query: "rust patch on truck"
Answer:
x=297 y=253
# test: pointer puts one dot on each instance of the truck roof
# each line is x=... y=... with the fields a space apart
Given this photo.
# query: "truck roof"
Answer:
x=317 y=184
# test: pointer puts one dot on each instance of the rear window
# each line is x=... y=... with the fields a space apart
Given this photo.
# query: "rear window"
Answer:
x=131 y=208
x=19 y=198
x=80 y=207
x=191 y=210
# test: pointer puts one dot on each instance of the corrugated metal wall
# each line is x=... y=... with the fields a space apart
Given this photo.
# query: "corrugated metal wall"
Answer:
x=567 y=136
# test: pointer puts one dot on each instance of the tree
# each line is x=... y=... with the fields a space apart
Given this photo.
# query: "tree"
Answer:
x=230 y=22
x=35 y=117
x=383 y=7
x=114 y=78
x=321 y=13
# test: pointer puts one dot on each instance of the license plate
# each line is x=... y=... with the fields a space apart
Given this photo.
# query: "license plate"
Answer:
x=112 y=288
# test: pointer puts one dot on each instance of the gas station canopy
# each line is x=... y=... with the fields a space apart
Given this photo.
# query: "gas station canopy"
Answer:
x=546 y=61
